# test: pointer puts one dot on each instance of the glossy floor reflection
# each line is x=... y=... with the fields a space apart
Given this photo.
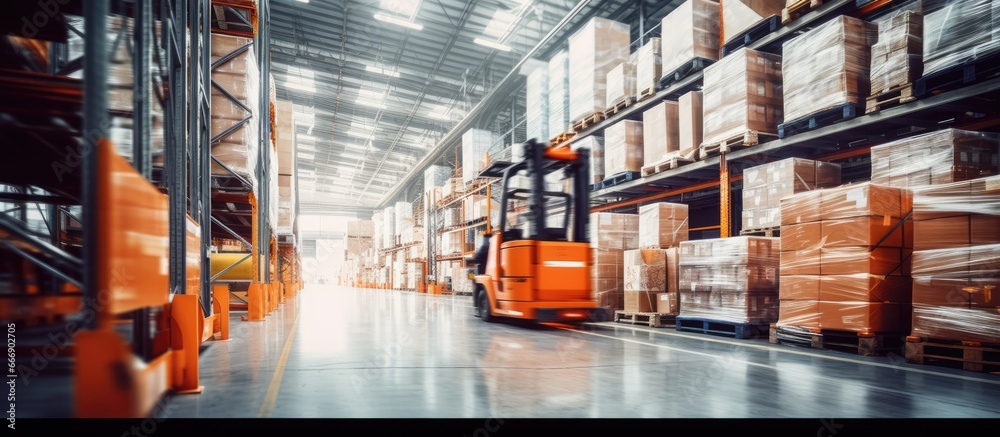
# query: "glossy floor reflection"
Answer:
x=342 y=352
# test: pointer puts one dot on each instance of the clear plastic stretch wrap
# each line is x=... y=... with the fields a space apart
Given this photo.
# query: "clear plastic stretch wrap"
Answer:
x=436 y=176
x=740 y=15
x=648 y=65
x=614 y=231
x=662 y=225
x=620 y=82
x=595 y=145
x=730 y=279
x=956 y=31
x=844 y=263
x=241 y=79
x=594 y=50
x=377 y=229
x=607 y=275
x=389 y=228
x=476 y=144
x=939 y=157
x=956 y=265
x=558 y=93
x=623 y=147
x=536 y=108
x=285 y=137
x=694 y=33
x=121 y=82
x=765 y=185
x=690 y=123
x=827 y=66
x=742 y=93
x=287 y=200
x=896 y=57
x=660 y=134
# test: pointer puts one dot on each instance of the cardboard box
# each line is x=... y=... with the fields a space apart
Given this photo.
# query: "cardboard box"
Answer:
x=801 y=262
x=854 y=260
x=957 y=324
x=673 y=269
x=742 y=92
x=865 y=288
x=690 y=122
x=863 y=231
x=860 y=200
x=663 y=225
x=649 y=65
x=694 y=33
x=660 y=134
x=599 y=46
x=640 y=301
x=614 y=300
x=799 y=287
x=614 y=231
x=802 y=236
x=803 y=207
x=951 y=262
x=981 y=293
x=942 y=233
x=667 y=303
x=984 y=229
x=623 y=147
x=645 y=270
x=620 y=83
x=799 y=313
x=863 y=316
x=740 y=15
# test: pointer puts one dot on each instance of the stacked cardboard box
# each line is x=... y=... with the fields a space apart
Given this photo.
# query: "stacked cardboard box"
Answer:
x=285 y=133
x=436 y=176
x=536 y=108
x=765 y=185
x=389 y=227
x=956 y=265
x=690 y=122
x=648 y=65
x=594 y=50
x=740 y=15
x=623 y=147
x=558 y=93
x=359 y=236
x=476 y=144
x=694 y=33
x=958 y=30
x=452 y=187
x=940 y=157
x=896 y=57
x=240 y=79
x=844 y=259
x=827 y=66
x=620 y=82
x=660 y=134
x=742 y=93
x=595 y=145
x=645 y=276
x=610 y=236
x=662 y=225
x=730 y=279
x=653 y=270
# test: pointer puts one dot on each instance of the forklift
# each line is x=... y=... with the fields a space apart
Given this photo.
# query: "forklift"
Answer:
x=536 y=272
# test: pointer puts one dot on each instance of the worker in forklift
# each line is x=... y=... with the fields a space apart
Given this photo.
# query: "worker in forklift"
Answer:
x=480 y=257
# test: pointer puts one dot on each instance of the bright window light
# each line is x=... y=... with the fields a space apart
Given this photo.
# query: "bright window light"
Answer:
x=359 y=133
x=304 y=137
x=353 y=146
x=302 y=1
x=351 y=155
x=500 y=23
x=306 y=156
x=371 y=69
x=399 y=22
x=370 y=103
x=300 y=79
x=491 y=44
x=402 y=7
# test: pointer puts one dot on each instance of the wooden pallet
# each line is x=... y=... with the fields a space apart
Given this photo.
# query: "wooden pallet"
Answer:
x=964 y=73
x=762 y=232
x=763 y=28
x=734 y=143
x=896 y=95
x=619 y=106
x=588 y=121
x=818 y=119
x=561 y=138
x=685 y=70
x=646 y=93
x=654 y=320
x=968 y=355
x=797 y=9
x=739 y=330
x=865 y=344
x=666 y=164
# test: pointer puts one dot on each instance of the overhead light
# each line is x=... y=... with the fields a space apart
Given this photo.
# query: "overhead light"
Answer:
x=491 y=44
x=381 y=71
x=306 y=137
x=364 y=102
x=355 y=146
x=399 y=22
x=302 y=1
x=307 y=156
x=439 y=115
x=359 y=134
x=350 y=155
x=301 y=86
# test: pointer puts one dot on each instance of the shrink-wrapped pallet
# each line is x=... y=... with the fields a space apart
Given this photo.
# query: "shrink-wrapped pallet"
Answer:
x=690 y=122
x=648 y=65
x=740 y=15
x=594 y=50
x=536 y=108
x=607 y=276
x=957 y=31
x=660 y=133
x=240 y=79
x=694 y=33
x=896 y=57
x=730 y=279
x=595 y=145
x=614 y=231
x=436 y=176
x=620 y=83
x=476 y=144
x=939 y=157
x=742 y=93
x=765 y=185
x=663 y=225
x=623 y=147
x=558 y=97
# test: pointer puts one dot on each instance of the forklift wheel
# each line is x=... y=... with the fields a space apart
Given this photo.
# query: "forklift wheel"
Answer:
x=483 y=306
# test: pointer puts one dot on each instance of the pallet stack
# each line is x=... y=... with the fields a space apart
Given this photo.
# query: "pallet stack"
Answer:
x=740 y=15
x=476 y=145
x=237 y=81
x=694 y=38
x=660 y=133
x=652 y=271
x=959 y=30
x=594 y=50
x=558 y=93
x=623 y=148
x=765 y=185
x=621 y=85
x=826 y=74
x=742 y=101
x=896 y=60
x=648 y=68
x=941 y=157
x=536 y=110
x=610 y=236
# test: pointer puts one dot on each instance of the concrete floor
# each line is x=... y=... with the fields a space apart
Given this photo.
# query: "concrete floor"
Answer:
x=338 y=352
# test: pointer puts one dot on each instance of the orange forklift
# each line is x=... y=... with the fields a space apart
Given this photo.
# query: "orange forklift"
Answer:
x=536 y=272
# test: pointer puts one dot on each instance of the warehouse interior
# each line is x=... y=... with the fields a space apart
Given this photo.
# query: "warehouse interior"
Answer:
x=500 y=209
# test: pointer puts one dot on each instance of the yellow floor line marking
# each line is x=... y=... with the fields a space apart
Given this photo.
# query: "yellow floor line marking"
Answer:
x=796 y=352
x=272 y=391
